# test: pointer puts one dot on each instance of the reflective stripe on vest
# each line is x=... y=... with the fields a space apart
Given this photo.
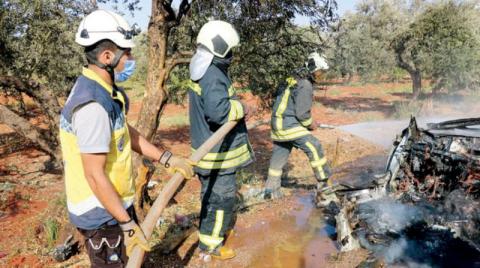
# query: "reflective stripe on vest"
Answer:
x=291 y=82
x=118 y=167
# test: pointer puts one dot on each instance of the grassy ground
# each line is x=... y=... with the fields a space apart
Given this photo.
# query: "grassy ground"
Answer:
x=179 y=120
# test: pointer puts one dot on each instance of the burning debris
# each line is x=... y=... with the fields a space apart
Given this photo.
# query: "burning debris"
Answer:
x=425 y=210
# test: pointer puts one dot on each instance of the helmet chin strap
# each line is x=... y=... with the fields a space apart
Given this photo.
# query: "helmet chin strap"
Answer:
x=110 y=68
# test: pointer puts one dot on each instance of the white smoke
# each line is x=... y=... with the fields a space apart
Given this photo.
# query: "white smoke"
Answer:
x=388 y=215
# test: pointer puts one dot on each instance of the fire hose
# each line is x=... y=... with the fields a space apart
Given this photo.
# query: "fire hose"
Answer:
x=169 y=190
x=174 y=183
x=65 y=251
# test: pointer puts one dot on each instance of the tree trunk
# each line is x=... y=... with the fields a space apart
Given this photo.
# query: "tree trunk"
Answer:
x=155 y=96
x=143 y=201
x=27 y=130
x=163 y=19
x=437 y=85
x=416 y=83
x=412 y=67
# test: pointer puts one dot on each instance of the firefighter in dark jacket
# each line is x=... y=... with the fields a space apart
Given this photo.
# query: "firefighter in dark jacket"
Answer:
x=291 y=125
x=213 y=103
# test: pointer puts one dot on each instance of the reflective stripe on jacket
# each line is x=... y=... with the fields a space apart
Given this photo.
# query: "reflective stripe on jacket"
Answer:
x=212 y=102
x=291 y=111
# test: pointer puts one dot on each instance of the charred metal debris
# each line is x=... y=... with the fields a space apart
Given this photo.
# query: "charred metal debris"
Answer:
x=424 y=211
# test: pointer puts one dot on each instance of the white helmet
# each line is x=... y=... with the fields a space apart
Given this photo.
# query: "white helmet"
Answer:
x=316 y=62
x=219 y=37
x=104 y=24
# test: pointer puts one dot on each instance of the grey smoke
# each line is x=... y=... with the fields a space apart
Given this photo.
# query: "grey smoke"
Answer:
x=388 y=215
x=447 y=107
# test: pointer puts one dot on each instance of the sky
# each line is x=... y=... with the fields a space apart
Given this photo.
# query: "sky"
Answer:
x=142 y=16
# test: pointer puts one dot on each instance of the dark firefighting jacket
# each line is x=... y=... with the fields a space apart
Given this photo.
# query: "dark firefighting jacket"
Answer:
x=212 y=102
x=292 y=110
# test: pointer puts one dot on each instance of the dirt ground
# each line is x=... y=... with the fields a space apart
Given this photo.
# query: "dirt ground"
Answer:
x=284 y=233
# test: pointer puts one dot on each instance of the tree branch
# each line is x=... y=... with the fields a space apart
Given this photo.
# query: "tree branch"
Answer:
x=180 y=61
x=399 y=49
x=170 y=13
x=183 y=9
x=44 y=97
x=157 y=17
x=26 y=129
x=171 y=63
x=184 y=53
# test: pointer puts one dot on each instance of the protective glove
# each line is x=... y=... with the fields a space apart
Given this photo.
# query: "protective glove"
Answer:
x=182 y=165
x=133 y=236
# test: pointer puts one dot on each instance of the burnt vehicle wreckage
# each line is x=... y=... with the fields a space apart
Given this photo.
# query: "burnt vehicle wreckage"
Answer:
x=424 y=211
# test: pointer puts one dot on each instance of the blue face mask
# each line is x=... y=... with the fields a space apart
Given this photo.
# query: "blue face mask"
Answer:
x=127 y=72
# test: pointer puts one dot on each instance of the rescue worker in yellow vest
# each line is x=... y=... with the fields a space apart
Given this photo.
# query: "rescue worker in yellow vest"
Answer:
x=212 y=103
x=290 y=127
x=97 y=144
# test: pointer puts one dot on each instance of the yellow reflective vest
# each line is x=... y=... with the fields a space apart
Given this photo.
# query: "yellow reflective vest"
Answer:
x=84 y=208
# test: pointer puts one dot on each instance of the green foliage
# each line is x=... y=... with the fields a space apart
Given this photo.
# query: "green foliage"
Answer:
x=51 y=231
x=442 y=44
x=271 y=45
x=134 y=88
x=451 y=45
x=437 y=40
x=37 y=41
x=398 y=74
x=140 y=53
x=362 y=41
x=264 y=66
x=178 y=85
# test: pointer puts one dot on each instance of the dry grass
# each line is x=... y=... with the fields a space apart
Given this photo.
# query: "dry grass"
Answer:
x=175 y=121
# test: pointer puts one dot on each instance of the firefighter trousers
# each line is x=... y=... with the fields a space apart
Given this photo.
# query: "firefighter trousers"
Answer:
x=217 y=213
x=308 y=144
